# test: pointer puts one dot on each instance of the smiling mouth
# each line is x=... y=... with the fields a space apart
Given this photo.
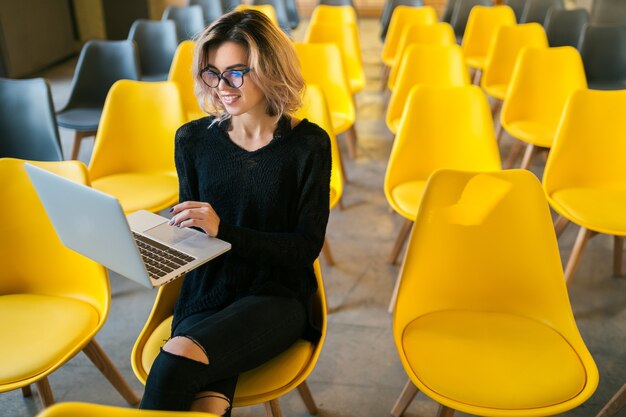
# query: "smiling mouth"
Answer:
x=229 y=99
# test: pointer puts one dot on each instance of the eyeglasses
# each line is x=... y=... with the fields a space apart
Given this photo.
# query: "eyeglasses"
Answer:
x=232 y=77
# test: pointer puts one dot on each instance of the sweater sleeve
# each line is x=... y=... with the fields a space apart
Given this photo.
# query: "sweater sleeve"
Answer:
x=187 y=177
x=302 y=246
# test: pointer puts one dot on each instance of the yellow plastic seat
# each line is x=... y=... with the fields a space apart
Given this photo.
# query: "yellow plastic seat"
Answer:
x=483 y=323
x=442 y=127
x=324 y=13
x=585 y=176
x=425 y=65
x=52 y=299
x=267 y=9
x=542 y=81
x=345 y=35
x=482 y=24
x=431 y=34
x=401 y=17
x=75 y=409
x=181 y=72
x=505 y=48
x=133 y=158
x=264 y=384
x=322 y=65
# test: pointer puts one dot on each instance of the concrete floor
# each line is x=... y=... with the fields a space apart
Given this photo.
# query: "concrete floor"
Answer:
x=358 y=373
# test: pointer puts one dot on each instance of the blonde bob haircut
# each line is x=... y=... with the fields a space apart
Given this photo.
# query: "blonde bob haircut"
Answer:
x=272 y=59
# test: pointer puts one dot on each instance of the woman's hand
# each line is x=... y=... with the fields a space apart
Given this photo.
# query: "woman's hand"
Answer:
x=194 y=213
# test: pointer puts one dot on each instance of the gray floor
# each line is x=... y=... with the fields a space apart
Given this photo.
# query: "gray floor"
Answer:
x=358 y=373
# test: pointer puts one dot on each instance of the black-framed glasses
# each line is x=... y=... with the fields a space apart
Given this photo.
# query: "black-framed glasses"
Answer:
x=232 y=77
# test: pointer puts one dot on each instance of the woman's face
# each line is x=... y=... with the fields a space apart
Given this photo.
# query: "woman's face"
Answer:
x=248 y=98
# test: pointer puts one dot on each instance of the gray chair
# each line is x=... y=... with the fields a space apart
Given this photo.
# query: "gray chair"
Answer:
x=211 y=9
x=537 y=10
x=460 y=14
x=292 y=13
x=448 y=11
x=603 y=51
x=517 y=6
x=608 y=12
x=388 y=8
x=156 y=42
x=228 y=5
x=100 y=64
x=281 y=13
x=337 y=3
x=564 y=27
x=189 y=20
x=28 y=127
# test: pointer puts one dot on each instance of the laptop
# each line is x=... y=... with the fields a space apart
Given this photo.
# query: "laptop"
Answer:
x=141 y=246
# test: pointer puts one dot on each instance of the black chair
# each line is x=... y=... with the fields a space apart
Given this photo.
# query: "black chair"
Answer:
x=101 y=63
x=292 y=13
x=388 y=8
x=517 y=6
x=156 y=42
x=460 y=14
x=28 y=128
x=448 y=11
x=603 y=51
x=228 y=5
x=211 y=9
x=608 y=12
x=565 y=27
x=281 y=13
x=189 y=20
x=537 y=10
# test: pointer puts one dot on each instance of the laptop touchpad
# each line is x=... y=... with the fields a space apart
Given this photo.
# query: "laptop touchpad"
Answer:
x=169 y=234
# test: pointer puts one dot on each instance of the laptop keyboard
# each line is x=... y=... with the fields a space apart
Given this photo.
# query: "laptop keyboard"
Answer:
x=160 y=260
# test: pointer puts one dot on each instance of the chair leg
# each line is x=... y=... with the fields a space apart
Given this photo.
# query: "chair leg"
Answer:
x=577 y=250
x=516 y=149
x=78 y=138
x=478 y=73
x=618 y=247
x=328 y=256
x=99 y=358
x=272 y=409
x=384 y=77
x=26 y=391
x=307 y=398
x=615 y=404
x=404 y=400
x=45 y=392
x=531 y=151
x=560 y=225
x=351 y=140
x=394 y=294
x=445 y=411
x=399 y=243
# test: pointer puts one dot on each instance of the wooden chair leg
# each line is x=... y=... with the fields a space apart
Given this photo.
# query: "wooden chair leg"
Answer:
x=272 y=409
x=99 y=358
x=384 y=77
x=404 y=400
x=560 y=225
x=26 y=391
x=516 y=149
x=618 y=248
x=326 y=252
x=45 y=392
x=307 y=398
x=477 y=76
x=577 y=250
x=351 y=140
x=78 y=138
x=445 y=411
x=405 y=230
x=531 y=151
x=615 y=404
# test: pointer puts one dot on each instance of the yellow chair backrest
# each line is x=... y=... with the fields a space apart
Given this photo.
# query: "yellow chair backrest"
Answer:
x=503 y=53
x=482 y=25
x=402 y=16
x=431 y=34
x=325 y=13
x=425 y=65
x=542 y=81
x=75 y=409
x=267 y=9
x=181 y=72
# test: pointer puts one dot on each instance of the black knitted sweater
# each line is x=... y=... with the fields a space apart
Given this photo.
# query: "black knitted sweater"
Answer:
x=273 y=205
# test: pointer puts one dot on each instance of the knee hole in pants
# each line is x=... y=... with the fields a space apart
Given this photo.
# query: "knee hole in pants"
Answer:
x=186 y=347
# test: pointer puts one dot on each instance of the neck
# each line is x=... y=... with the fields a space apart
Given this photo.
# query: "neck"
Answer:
x=252 y=132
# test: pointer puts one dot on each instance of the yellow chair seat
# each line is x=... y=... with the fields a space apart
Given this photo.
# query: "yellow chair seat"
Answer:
x=601 y=210
x=539 y=134
x=492 y=360
x=477 y=61
x=39 y=332
x=153 y=192
x=496 y=90
x=340 y=122
x=334 y=197
x=407 y=197
x=272 y=375
x=356 y=84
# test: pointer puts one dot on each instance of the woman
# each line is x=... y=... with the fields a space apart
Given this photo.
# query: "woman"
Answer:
x=256 y=177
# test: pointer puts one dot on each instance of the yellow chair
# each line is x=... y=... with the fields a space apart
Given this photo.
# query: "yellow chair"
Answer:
x=53 y=301
x=542 y=81
x=482 y=24
x=425 y=65
x=483 y=323
x=345 y=35
x=75 y=409
x=433 y=34
x=133 y=157
x=322 y=65
x=181 y=72
x=324 y=13
x=315 y=109
x=442 y=127
x=585 y=176
x=267 y=9
x=264 y=384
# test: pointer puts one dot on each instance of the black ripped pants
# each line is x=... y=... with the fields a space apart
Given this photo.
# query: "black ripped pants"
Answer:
x=242 y=336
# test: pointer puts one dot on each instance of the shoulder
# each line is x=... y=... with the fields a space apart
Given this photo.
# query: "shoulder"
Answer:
x=189 y=133
x=311 y=136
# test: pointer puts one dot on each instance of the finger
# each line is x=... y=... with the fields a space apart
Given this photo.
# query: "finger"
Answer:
x=187 y=205
x=196 y=214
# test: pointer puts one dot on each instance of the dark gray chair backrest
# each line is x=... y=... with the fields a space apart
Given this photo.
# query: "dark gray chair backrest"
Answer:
x=211 y=9
x=517 y=6
x=448 y=11
x=389 y=7
x=228 y=5
x=281 y=12
x=537 y=10
x=100 y=64
x=156 y=42
x=28 y=126
x=461 y=13
x=337 y=2
x=564 y=27
x=608 y=12
x=292 y=13
x=603 y=51
x=189 y=20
